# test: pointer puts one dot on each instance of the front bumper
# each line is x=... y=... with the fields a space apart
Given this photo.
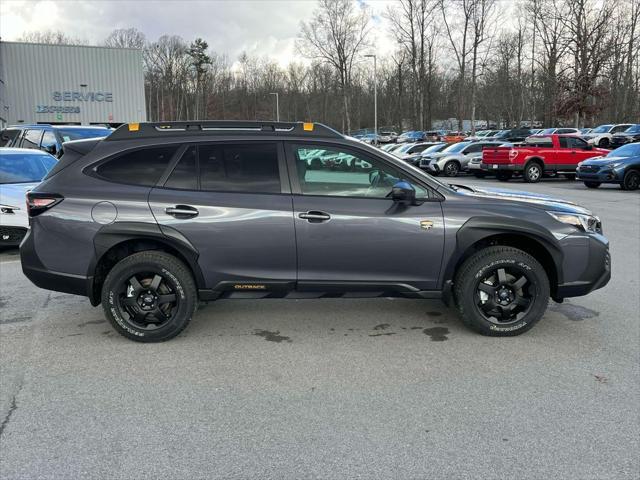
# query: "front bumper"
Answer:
x=603 y=175
x=42 y=277
x=11 y=236
x=595 y=275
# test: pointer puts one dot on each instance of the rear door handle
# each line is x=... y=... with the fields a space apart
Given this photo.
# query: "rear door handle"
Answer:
x=182 y=211
x=314 y=216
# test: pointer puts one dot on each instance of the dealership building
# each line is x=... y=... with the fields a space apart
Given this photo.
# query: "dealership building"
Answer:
x=70 y=84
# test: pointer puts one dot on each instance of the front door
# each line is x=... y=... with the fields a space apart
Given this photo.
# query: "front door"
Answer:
x=232 y=203
x=350 y=234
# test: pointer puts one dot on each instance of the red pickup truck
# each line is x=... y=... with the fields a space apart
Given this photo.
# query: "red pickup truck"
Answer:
x=537 y=155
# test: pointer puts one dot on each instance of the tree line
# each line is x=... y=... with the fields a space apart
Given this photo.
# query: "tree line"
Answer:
x=536 y=62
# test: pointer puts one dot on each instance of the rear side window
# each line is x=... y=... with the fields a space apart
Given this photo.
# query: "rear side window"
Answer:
x=32 y=139
x=139 y=167
x=8 y=137
x=185 y=175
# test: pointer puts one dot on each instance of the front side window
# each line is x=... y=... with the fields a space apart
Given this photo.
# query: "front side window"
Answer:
x=32 y=139
x=619 y=128
x=142 y=167
x=332 y=171
x=8 y=137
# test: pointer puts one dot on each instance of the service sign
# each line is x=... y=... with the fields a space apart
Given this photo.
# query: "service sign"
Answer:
x=71 y=96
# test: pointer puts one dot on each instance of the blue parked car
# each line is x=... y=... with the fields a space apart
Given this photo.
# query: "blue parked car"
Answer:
x=621 y=166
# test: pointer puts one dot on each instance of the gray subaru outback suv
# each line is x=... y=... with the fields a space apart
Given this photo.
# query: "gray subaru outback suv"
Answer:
x=160 y=216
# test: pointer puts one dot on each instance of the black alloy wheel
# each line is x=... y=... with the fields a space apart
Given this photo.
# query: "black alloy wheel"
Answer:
x=504 y=295
x=148 y=300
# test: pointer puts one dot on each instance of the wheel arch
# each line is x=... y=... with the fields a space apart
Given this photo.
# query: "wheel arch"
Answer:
x=478 y=233
x=116 y=241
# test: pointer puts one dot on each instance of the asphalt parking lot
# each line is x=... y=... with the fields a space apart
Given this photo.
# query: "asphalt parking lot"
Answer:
x=383 y=388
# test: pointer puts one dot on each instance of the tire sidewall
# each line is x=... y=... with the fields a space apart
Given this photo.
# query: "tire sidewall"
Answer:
x=627 y=178
x=181 y=284
x=450 y=164
x=478 y=268
x=527 y=173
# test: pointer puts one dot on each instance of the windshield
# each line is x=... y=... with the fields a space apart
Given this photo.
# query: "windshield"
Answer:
x=433 y=149
x=68 y=134
x=629 y=150
x=602 y=129
x=24 y=167
x=456 y=147
x=633 y=129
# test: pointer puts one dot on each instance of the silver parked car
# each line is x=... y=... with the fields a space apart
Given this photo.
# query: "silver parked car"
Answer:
x=453 y=159
x=21 y=170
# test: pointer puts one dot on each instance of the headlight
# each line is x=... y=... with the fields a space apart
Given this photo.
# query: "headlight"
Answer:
x=586 y=223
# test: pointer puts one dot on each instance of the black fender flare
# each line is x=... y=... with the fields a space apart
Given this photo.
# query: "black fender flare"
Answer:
x=479 y=228
x=116 y=233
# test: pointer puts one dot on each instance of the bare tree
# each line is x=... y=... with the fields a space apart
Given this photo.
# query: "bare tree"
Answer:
x=337 y=34
x=51 y=37
x=125 y=38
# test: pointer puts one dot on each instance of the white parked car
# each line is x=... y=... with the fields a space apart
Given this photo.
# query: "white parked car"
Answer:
x=21 y=169
x=455 y=158
x=601 y=136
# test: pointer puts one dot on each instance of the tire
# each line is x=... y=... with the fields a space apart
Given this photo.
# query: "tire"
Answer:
x=451 y=169
x=478 y=291
x=532 y=172
x=132 y=295
x=631 y=180
x=592 y=184
x=603 y=143
x=504 y=176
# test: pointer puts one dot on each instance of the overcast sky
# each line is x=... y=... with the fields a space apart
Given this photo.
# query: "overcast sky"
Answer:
x=259 y=27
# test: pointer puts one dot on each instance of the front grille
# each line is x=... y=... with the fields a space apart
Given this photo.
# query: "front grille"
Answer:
x=589 y=169
x=11 y=234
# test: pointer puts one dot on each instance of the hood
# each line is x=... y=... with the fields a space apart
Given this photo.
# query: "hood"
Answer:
x=14 y=193
x=599 y=161
x=536 y=199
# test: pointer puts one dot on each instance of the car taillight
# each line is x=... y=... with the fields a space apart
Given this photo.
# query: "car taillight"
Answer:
x=39 y=202
x=513 y=154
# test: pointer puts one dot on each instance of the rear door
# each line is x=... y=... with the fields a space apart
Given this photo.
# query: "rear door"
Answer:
x=232 y=202
x=351 y=236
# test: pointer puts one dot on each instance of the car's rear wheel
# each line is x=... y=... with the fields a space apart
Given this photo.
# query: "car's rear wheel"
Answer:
x=504 y=176
x=532 y=172
x=451 y=169
x=149 y=296
x=631 y=180
x=603 y=143
x=592 y=184
x=501 y=291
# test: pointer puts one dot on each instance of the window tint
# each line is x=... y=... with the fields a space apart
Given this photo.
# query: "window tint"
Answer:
x=239 y=168
x=619 y=128
x=49 y=143
x=8 y=137
x=331 y=171
x=474 y=148
x=185 y=175
x=139 y=167
x=575 y=142
x=68 y=134
x=32 y=139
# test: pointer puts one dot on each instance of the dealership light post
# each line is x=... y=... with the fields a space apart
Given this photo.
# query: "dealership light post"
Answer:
x=375 y=98
x=277 y=106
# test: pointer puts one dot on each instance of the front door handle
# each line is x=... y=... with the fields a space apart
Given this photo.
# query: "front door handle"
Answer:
x=315 y=216
x=182 y=211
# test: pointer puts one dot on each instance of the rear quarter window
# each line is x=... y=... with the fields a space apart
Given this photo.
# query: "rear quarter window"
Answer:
x=142 y=167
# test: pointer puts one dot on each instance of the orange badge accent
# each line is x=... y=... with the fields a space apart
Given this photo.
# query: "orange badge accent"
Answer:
x=134 y=127
x=307 y=127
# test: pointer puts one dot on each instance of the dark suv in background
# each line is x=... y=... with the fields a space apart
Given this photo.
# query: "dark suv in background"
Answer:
x=157 y=217
x=48 y=137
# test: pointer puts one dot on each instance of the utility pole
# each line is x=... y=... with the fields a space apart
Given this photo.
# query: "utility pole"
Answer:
x=375 y=98
x=277 y=106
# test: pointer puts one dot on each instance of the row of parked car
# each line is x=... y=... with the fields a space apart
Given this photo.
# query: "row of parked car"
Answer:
x=548 y=152
x=604 y=136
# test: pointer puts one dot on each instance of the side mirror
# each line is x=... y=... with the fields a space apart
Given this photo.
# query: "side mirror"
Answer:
x=403 y=192
x=51 y=149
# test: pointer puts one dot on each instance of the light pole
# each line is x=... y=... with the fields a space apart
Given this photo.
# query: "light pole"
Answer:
x=375 y=98
x=277 y=106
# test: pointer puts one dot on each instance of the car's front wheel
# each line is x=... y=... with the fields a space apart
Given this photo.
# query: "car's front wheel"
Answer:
x=451 y=169
x=501 y=291
x=631 y=180
x=149 y=296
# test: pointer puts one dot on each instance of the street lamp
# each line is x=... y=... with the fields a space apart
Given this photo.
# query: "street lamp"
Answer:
x=375 y=98
x=277 y=106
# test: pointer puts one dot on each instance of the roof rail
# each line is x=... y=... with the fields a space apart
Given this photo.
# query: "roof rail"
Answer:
x=220 y=127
